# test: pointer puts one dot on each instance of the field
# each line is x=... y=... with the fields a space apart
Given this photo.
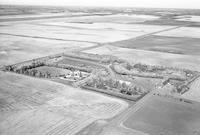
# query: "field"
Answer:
x=49 y=107
x=66 y=33
x=190 y=32
x=92 y=33
x=163 y=116
x=192 y=18
x=150 y=57
x=175 y=45
x=25 y=16
x=121 y=18
x=134 y=28
x=194 y=92
x=33 y=103
x=14 y=49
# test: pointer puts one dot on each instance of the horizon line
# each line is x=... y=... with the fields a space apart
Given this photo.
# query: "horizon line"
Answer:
x=90 y=6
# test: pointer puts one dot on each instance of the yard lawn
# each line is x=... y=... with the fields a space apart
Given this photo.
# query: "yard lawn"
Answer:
x=53 y=70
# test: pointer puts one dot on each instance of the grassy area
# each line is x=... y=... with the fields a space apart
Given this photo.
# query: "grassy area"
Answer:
x=52 y=70
x=76 y=62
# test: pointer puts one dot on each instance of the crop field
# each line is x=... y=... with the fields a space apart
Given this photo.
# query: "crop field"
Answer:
x=110 y=26
x=150 y=57
x=24 y=16
x=48 y=107
x=190 y=32
x=100 y=32
x=176 y=45
x=194 y=92
x=192 y=18
x=166 y=116
x=14 y=49
x=115 y=18
x=64 y=33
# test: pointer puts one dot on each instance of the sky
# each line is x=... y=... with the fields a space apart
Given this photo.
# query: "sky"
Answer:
x=114 y=3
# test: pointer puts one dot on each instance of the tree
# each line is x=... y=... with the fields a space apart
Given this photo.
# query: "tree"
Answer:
x=9 y=68
x=128 y=66
x=33 y=72
x=141 y=67
x=47 y=75
x=95 y=82
x=21 y=71
x=124 y=85
x=100 y=83
x=122 y=91
x=116 y=84
x=90 y=83
x=119 y=87
x=81 y=75
x=17 y=71
x=26 y=72
x=40 y=74
x=110 y=83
